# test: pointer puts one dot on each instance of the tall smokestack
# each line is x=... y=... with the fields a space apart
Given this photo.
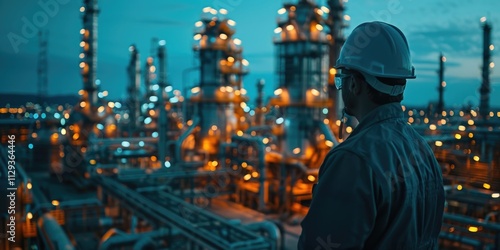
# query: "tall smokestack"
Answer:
x=149 y=76
x=42 y=67
x=442 y=84
x=89 y=44
x=259 y=112
x=484 y=90
x=162 y=81
x=134 y=73
x=150 y=70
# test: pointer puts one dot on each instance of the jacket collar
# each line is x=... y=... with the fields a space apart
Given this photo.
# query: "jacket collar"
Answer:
x=387 y=111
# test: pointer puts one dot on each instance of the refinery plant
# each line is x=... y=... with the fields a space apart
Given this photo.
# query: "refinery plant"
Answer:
x=207 y=167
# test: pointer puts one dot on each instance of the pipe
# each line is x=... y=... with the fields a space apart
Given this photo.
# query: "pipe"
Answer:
x=23 y=176
x=261 y=149
x=143 y=242
x=489 y=215
x=152 y=189
x=472 y=221
x=291 y=163
x=115 y=237
x=184 y=87
x=106 y=238
x=258 y=128
x=20 y=171
x=106 y=221
x=328 y=134
x=178 y=143
x=77 y=203
x=43 y=205
x=52 y=233
x=463 y=240
x=165 y=211
x=90 y=222
x=140 y=174
x=300 y=166
x=133 y=140
x=149 y=237
x=294 y=163
x=263 y=130
x=133 y=224
x=273 y=231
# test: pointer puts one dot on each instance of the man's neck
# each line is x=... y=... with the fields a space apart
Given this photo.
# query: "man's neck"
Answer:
x=365 y=110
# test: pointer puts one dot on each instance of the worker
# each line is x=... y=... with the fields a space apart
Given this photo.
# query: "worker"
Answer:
x=382 y=187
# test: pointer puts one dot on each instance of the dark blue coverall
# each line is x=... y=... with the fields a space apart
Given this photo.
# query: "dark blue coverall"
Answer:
x=381 y=188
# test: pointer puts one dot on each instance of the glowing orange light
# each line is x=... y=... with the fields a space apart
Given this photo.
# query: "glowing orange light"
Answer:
x=296 y=150
x=311 y=178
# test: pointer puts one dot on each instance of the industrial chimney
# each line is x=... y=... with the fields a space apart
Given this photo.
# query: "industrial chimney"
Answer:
x=259 y=107
x=89 y=55
x=133 y=102
x=442 y=85
x=484 y=90
x=42 y=67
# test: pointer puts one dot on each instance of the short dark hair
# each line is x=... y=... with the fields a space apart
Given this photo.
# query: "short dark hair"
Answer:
x=379 y=97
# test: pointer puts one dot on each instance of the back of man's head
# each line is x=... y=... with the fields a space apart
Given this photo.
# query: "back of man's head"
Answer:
x=378 y=54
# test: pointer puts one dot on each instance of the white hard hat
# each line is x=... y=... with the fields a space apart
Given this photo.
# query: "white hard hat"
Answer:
x=378 y=49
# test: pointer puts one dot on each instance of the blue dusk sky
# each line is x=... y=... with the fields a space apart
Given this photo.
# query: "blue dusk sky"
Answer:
x=431 y=26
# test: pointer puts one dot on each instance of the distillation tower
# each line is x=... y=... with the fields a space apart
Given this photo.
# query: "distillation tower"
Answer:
x=219 y=100
x=302 y=67
x=92 y=117
x=279 y=162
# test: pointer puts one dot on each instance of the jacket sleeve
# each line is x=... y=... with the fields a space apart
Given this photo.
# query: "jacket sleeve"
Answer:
x=343 y=209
